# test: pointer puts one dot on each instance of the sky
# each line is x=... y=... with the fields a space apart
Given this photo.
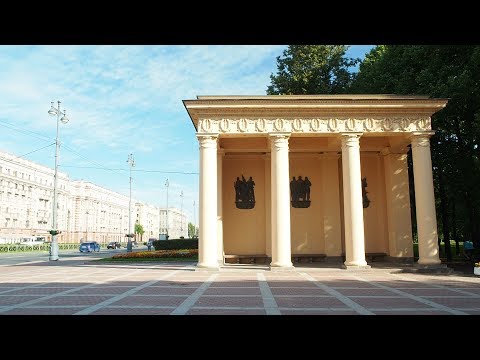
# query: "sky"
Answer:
x=123 y=100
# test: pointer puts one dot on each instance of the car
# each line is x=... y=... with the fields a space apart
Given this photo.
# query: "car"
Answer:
x=90 y=246
x=114 y=245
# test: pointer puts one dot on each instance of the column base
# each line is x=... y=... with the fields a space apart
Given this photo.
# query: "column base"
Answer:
x=208 y=268
x=429 y=262
x=357 y=263
x=281 y=268
x=432 y=268
x=356 y=267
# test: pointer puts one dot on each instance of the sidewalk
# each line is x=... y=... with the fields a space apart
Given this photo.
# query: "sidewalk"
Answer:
x=90 y=288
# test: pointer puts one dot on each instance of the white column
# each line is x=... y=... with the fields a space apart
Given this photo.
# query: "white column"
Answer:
x=280 y=178
x=220 y=155
x=207 y=238
x=352 y=201
x=425 y=200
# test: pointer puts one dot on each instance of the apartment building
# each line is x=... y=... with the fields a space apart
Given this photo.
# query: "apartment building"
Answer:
x=85 y=211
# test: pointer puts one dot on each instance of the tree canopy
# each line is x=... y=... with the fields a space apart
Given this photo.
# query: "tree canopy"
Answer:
x=312 y=69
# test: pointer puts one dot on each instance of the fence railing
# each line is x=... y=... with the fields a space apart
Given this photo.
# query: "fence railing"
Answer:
x=4 y=248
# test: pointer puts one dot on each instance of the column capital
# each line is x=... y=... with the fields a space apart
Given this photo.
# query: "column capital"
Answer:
x=422 y=134
x=351 y=134
x=279 y=140
x=351 y=139
x=421 y=138
x=279 y=135
x=208 y=140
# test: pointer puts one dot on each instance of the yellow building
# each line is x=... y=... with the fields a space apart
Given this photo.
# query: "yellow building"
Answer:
x=314 y=175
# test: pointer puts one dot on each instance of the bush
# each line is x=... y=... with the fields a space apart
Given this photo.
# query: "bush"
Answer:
x=184 y=253
x=176 y=244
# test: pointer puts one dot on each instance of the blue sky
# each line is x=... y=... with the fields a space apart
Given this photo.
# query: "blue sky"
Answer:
x=122 y=100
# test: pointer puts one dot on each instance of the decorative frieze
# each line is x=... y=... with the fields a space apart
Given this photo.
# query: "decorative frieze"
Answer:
x=313 y=125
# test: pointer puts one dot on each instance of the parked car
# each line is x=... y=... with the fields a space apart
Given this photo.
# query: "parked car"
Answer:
x=90 y=246
x=114 y=245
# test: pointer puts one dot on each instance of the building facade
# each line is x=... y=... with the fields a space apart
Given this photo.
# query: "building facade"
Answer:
x=85 y=211
x=298 y=175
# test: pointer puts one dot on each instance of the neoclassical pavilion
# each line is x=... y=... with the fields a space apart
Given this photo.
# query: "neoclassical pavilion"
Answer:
x=314 y=174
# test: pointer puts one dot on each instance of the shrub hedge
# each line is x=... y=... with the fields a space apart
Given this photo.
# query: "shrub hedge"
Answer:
x=190 y=253
x=175 y=244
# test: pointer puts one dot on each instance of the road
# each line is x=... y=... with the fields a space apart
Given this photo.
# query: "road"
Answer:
x=21 y=258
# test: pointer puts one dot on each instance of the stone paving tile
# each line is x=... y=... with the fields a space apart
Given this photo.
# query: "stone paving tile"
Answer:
x=471 y=311
x=233 y=291
x=389 y=303
x=42 y=311
x=298 y=291
x=72 y=300
x=310 y=302
x=151 y=300
x=98 y=290
x=37 y=291
x=234 y=283
x=472 y=290
x=128 y=311
x=339 y=284
x=433 y=292
x=455 y=303
x=236 y=279
x=461 y=285
x=196 y=311
x=14 y=285
x=7 y=289
x=291 y=284
x=237 y=301
x=180 y=283
x=317 y=312
x=13 y=300
x=409 y=312
x=366 y=292
x=164 y=290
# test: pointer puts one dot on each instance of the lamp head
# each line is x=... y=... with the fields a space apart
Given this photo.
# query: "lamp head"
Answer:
x=52 y=110
x=64 y=118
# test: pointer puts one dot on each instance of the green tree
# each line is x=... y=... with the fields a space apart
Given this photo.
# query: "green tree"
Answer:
x=446 y=72
x=192 y=230
x=312 y=69
x=139 y=230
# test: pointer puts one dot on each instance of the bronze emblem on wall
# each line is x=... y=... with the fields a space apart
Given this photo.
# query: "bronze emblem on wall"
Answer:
x=244 y=193
x=300 y=192
x=365 y=199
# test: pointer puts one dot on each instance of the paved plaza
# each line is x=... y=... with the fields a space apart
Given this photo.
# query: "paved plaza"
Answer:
x=91 y=288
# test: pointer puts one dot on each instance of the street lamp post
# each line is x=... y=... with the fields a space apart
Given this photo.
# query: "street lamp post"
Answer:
x=86 y=225
x=131 y=161
x=167 y=184
x=181 y=214
x=54 y=232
